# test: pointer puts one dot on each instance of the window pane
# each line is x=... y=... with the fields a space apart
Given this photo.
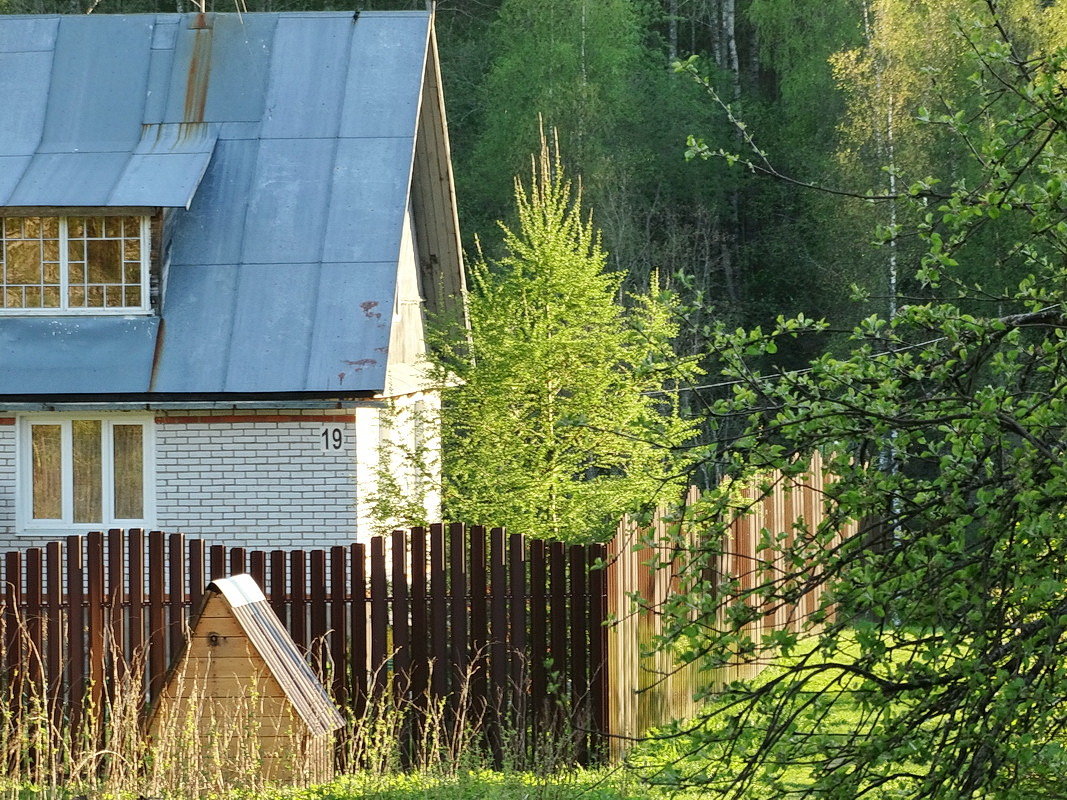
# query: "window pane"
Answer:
x=88 y=479
x=133 y=273
x=129 y=471
x=132 y=247
x=102 y=257
x=115 y=297
x=105 y=261
x=51 y=250
x=94 y=226
x=23 y=261
x=49 y=227
x=47 y=442
x=76 y=271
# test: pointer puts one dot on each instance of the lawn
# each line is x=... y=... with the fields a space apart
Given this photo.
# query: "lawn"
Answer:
x=593 y=784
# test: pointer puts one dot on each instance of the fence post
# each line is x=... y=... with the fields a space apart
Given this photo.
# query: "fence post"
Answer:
x=338 y=598
x=97 y=644
x=178 y=624
x=599 y=670
x=318 y=612
x=116 y=596
x=13 y=628
x=298 y=598
x=579 y=652
x=157 y=656
x=360 y=688
x=538 y=635
x=135 y=593
x=257 y=568
x=420 y=651
x=557 y=580
x=54 y=631
x=379 y=616
x=194 y=577
x=34 y=620
x=218 y=561
x=460 y=654
x=439 y=612
x=400 y=616
x=479 y=623
x=279 y=599
x=75 y=630
x=518 y=652
x=237 y=561
x=498 y=647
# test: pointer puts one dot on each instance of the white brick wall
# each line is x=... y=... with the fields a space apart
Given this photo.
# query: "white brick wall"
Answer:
x=263 y=484
x=241 y=478
x=7 y=479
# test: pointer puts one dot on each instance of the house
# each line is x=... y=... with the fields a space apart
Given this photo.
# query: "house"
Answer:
x=240 y=696
x=219 y=236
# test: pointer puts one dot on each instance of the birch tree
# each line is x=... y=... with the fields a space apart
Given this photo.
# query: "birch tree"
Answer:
x=936 y=665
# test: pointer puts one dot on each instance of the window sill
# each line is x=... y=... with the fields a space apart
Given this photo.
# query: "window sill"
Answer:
x=76 y=530
x=76 y=312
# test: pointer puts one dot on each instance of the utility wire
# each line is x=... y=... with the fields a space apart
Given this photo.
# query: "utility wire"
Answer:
x=787 y=374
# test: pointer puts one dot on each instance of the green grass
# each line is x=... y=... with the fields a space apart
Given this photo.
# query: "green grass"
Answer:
x=594 y=784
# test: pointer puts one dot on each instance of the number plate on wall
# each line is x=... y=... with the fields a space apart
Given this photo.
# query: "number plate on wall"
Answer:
x=331 y=438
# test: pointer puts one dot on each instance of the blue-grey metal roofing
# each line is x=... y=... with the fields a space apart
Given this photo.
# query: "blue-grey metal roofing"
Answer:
x=282 y=147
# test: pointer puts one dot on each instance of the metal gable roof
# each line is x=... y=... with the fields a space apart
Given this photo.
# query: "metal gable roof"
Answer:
x=281 y=146
x=277 y=649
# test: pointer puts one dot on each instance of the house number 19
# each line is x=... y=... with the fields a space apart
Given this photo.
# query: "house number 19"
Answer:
x=332 y=439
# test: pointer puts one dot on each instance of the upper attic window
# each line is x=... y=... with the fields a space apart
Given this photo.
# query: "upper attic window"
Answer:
x=90 y=264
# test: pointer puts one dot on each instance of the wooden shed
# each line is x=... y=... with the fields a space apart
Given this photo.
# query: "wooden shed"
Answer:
x=241 y=699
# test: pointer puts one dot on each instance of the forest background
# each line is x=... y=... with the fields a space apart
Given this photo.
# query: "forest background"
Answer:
x=829 y=90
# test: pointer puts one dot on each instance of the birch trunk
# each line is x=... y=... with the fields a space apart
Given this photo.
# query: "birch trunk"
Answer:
x=672 y=30
x=729 y=20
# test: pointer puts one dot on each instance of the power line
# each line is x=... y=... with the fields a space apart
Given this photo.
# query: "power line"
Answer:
x=786 y=374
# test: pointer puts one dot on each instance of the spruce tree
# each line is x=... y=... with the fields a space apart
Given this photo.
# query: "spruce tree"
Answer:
x=556 y=424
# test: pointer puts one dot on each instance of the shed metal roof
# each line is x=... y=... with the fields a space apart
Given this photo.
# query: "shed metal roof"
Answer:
x=274 y=644
x=281 y=146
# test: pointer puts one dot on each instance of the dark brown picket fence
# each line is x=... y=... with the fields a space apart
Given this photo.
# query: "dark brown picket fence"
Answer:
x=512 y=629
x=524 y=640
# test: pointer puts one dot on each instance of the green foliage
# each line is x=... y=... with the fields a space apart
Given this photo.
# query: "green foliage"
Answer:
x=483 y=785
x=551 y=428
x=568 y=62
x=406 y=476
x=937 y=662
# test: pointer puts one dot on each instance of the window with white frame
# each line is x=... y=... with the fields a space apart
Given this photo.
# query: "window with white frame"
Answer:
x=90 y=264
x=85 y=472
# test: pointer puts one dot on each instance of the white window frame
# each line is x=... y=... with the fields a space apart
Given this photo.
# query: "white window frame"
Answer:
x=24 y=473
x=64 y=308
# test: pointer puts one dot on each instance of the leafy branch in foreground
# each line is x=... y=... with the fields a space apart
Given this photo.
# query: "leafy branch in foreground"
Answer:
x=936 y=665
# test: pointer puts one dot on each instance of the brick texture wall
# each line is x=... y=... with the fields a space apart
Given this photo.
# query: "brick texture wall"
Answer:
x=258 y=479
x=7 y=476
